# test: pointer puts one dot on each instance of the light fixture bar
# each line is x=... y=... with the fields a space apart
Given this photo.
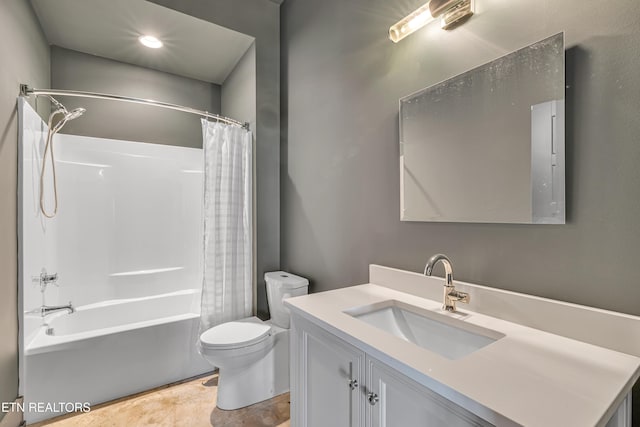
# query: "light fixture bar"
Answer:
x=411 y=23
x=451 y=13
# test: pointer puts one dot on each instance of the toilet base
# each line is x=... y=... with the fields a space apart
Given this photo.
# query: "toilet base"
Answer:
x=240 y=386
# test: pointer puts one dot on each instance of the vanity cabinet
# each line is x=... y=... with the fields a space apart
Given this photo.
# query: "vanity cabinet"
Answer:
x=396 y=400
x=326 y=378
x=333 y=383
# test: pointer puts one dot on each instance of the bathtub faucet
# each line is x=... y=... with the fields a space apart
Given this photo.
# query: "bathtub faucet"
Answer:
x=48 y=309
x=46 y=279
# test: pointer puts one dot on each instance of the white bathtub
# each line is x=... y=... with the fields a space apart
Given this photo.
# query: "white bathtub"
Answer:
x=126 y=257
x=112 y=349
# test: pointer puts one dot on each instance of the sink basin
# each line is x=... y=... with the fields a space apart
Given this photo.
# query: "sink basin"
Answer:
x=442 y=334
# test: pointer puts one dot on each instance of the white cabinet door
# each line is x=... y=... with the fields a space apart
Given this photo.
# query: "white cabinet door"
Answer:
x=395 y=400
x=326 y=379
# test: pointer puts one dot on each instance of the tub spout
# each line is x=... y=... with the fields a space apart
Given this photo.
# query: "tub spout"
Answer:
x=48 y=309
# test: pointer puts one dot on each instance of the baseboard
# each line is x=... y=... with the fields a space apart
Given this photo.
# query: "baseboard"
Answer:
x=14 y=418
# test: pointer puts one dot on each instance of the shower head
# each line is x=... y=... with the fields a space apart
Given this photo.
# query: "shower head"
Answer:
x=66 y=114
x=66 y=117
x=74 y=114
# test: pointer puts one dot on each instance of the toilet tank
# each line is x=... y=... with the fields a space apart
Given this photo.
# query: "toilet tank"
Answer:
x=281 y=285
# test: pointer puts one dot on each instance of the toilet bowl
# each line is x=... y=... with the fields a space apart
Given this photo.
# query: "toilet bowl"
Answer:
x=247 y=353
x=253 y=355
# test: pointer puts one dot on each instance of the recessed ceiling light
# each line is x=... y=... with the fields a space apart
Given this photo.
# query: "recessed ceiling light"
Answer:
x=150 y=41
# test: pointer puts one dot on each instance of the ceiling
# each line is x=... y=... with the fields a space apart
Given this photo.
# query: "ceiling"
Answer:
x=110 y=28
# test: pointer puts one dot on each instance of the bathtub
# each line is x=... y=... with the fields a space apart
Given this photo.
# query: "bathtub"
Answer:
x=111 y=349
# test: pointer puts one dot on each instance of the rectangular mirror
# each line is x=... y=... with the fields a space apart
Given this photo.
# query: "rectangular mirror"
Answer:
x=488 y=145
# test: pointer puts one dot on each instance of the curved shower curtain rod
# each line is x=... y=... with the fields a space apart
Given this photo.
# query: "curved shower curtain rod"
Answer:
x=27 y=91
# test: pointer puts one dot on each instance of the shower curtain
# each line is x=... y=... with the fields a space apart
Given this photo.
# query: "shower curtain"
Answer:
x=227 y=286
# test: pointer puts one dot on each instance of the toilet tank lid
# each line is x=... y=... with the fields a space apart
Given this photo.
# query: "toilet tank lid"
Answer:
x=287 y=280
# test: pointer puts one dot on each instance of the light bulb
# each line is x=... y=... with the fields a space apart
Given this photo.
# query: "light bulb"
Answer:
x=411 y=23
x=150 y=41
x=420 y=20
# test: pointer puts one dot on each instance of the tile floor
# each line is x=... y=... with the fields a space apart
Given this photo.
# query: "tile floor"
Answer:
x=187 y=404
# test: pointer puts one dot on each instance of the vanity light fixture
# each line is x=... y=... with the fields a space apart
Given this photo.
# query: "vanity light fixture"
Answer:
x=450 y=12
x=150 y=41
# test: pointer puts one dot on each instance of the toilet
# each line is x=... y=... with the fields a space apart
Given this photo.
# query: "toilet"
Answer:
x=253 y=355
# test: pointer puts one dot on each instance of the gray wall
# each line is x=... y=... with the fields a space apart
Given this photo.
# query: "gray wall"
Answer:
x=341 y=81
x=108 y=119
x=261 y=20
x=239 y=89
x=25 y=59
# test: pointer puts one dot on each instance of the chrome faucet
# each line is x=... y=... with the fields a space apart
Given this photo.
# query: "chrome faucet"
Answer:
x=45 y=280
x=48 y=309
x=451 y=295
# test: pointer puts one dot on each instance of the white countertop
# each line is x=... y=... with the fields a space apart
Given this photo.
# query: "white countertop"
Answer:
x=528 y=377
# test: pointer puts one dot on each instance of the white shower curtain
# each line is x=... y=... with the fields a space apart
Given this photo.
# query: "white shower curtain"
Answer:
x=227 y=286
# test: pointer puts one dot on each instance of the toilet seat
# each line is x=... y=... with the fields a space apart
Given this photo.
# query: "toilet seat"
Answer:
x=236 y=334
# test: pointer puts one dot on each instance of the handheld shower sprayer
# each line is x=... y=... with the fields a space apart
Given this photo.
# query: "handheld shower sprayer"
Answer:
x=66 y=117
x=75 y=113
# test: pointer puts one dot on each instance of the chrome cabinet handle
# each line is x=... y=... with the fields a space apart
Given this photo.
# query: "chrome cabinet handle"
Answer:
x=353 y=384
x=373 y=398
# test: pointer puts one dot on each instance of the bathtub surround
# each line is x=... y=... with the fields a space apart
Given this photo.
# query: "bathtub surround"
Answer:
x=25 y=57
x=227 y=285
x=104 y=244
x=71 y=70
x=136 y=291
x=342 y=79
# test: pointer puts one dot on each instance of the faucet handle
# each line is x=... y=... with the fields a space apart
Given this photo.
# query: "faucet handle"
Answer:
x=48 y=278
x=459 y=296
